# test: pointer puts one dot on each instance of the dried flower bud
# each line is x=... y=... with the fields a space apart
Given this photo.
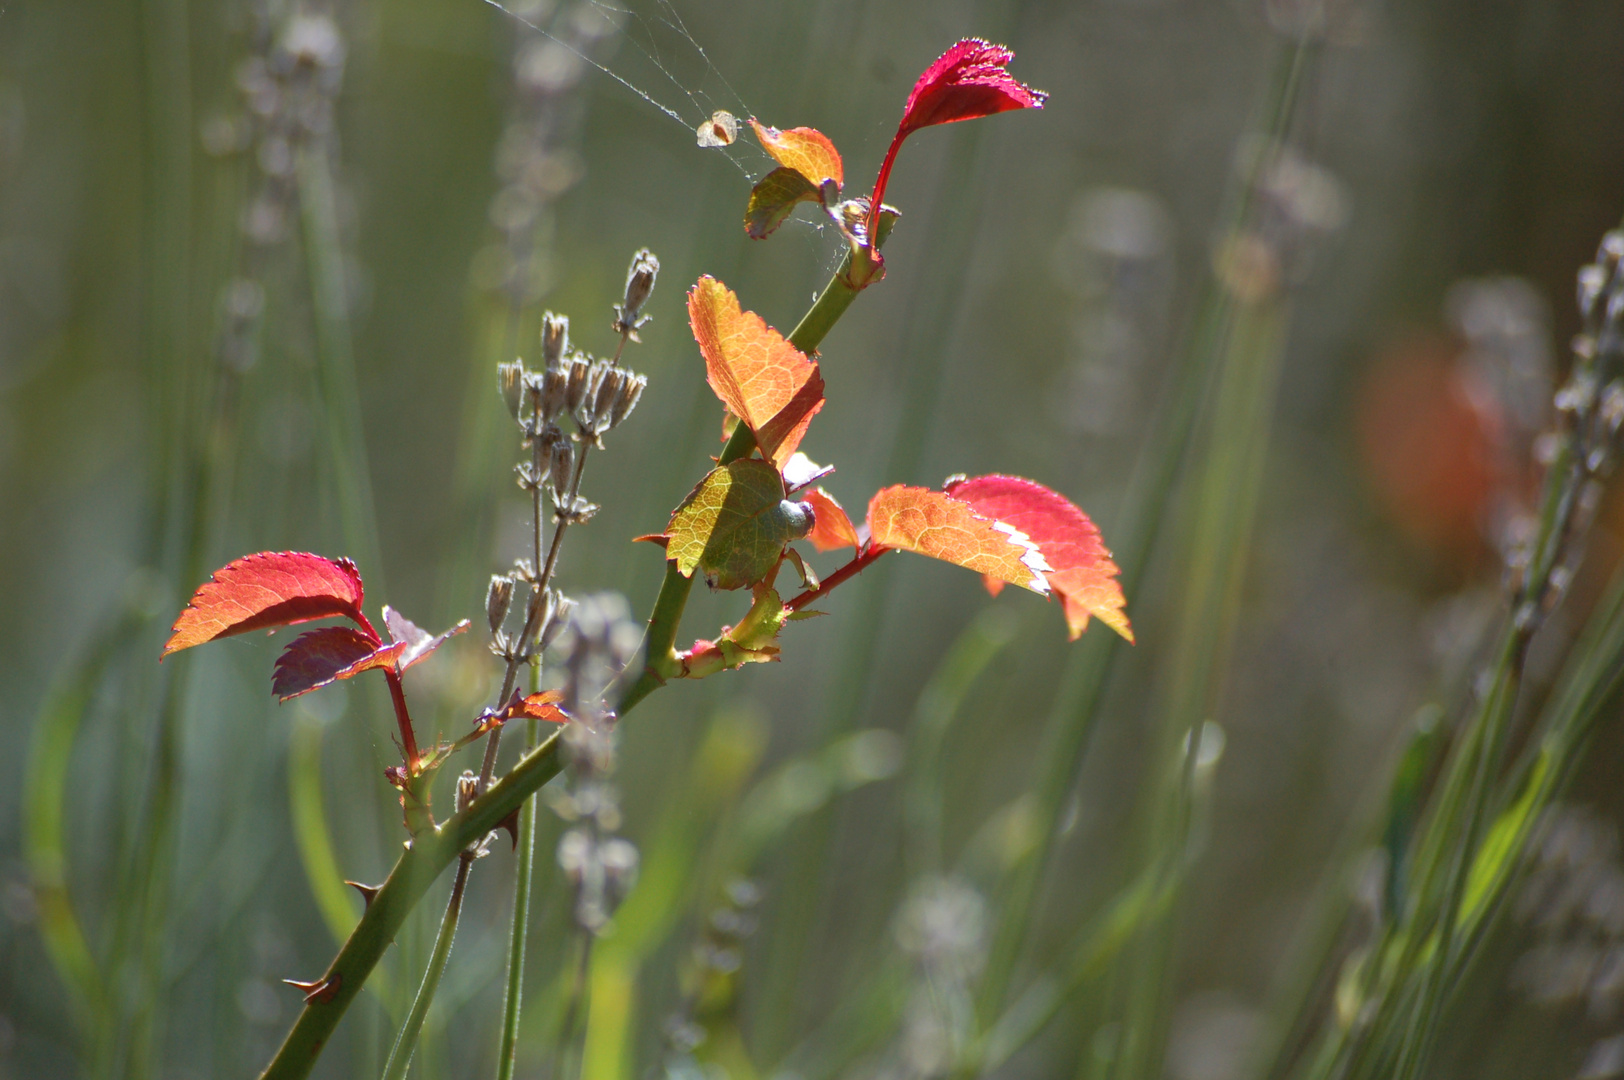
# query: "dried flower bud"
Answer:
x=639 y=285
x=586 y=411
x=563 y=608
x=498 y=598
x=541 y=610
x=563 y=461
x=608 y=392
x=532 y=392
x=467 y=790
x=630 y=391
x=580 y=370
x=555 y=339
x=554 y=390
x=510 y=380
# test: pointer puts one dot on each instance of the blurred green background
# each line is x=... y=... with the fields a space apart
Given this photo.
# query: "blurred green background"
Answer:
x=199 y=357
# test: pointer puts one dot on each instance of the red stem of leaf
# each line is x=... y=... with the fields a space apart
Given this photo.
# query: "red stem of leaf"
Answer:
x=850 y=570
x=360 y=619
x=408 y=739
x=877 y=196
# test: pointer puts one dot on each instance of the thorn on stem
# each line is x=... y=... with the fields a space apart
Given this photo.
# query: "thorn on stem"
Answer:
x=322 y=990
x=511 y=824
x=367 y=891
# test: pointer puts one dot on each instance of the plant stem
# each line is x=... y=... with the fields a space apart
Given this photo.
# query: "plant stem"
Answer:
x=425 y=857
x=513 y=992
x=862 y=561
x=400 y=1056
x=660 y=656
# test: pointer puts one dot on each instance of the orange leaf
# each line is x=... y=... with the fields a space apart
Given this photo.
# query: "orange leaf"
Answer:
x=542 y=706
x=761 y=378
x=1082 y=573
x=806 y=150
x=832 y=528
x=265 y=590
x=931 y=523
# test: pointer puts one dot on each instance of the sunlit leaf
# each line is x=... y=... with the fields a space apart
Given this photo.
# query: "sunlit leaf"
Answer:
x=734 y=525
x=931 y=523
x=833 y=528
x=761 y=378
x=542 y=706
x=268 y=589
x=1082 y=573
x=806 y=150
x=419 y=642
x=318 y=657
x=774 y=198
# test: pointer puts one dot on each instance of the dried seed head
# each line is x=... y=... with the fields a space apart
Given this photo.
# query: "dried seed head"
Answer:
x=608 y=392
x=563 y=608
x=630 y=391
x=510 y=380
x=541 y=610
x=563 y=460
x=467 y=790
x=555 y=338
x=498 y=598
x=639 y=285
x=532 y=392
x=554 y=391
x=580 y=369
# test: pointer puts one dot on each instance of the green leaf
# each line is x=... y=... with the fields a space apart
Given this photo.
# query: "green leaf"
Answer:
x=734 y=525
x=774 y=198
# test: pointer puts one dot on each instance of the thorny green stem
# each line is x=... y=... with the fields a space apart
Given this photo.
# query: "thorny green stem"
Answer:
x=400 y=1055
x=659 y=645
x=425 y=857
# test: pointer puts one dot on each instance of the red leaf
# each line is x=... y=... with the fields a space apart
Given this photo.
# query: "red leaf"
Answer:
x=934 y=524
x=806 y=150
x=269 y=589
x=314 y=659
x=1082 y=574
x=761 y=378
x=967 y=81
x=832 y=527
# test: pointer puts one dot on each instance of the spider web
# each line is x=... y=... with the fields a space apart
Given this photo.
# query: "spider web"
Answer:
x=662 y=38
